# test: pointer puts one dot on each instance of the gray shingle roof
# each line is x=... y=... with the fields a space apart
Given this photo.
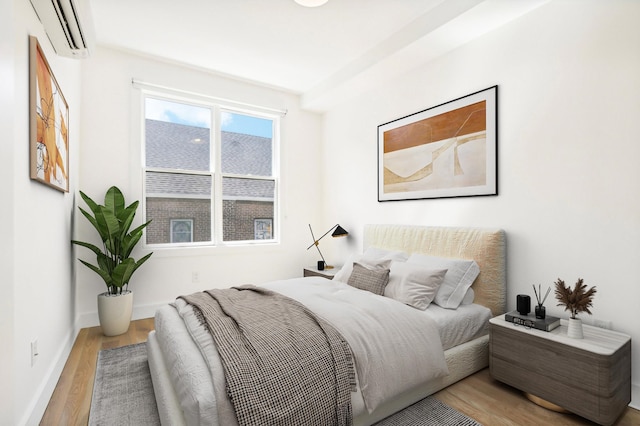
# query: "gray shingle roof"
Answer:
x=167 y=184
x=178 y=146
x=245 y=188
x=246 y=154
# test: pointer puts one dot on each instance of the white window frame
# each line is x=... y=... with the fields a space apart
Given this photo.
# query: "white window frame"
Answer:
x=217 y=108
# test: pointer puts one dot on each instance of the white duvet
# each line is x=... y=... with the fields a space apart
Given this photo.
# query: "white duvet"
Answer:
x=396 y=347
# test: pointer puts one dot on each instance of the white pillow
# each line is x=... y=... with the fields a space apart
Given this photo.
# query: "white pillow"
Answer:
x=413 y=284
x=459 y=277
x=469 y=297
x=384 y=254
x=345 y=272
x=372 y=258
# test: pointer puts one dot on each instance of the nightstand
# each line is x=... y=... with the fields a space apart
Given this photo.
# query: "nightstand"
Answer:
x=590 y=377
x=325 y=273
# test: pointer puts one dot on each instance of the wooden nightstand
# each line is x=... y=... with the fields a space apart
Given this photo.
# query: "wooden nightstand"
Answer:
x=315 y=272
x=590 y=377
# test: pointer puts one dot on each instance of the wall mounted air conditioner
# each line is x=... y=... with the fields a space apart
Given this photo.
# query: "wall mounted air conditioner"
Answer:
x=68 y=24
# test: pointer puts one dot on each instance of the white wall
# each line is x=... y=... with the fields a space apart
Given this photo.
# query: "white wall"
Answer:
x=110 y=156
x=7 y=99
x=38 y=284
x=569 y=180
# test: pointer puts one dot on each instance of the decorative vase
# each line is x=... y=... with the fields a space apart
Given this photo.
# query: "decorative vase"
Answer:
x=114 y=312
x=575 y=328
x=541 y=311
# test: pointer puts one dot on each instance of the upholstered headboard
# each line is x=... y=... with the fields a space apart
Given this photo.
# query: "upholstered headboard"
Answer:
x=485 y=246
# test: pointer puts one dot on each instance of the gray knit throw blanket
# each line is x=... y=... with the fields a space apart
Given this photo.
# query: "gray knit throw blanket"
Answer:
x=283 y=365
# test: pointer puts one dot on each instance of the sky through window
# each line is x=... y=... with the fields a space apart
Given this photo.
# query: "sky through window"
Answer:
x=191 y=115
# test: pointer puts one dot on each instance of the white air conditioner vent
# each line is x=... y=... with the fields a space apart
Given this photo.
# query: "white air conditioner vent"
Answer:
x=68 y=24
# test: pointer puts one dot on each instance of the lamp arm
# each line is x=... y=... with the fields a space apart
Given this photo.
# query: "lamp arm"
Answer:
x=316 y=242
x=321 y=256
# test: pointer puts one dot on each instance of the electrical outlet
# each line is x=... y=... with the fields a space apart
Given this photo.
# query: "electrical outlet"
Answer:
x=602 y=324
x=34 y=352
x=195 y=277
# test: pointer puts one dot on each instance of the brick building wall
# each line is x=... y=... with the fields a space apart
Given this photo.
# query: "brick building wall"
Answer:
x=238 y=218
x=162 y=210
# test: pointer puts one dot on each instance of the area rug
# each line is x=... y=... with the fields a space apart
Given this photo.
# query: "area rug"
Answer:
x=123 y=395
x=428 y=412
x=122 y=391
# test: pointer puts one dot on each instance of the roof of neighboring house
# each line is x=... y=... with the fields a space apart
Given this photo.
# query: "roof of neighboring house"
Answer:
x=178 y=146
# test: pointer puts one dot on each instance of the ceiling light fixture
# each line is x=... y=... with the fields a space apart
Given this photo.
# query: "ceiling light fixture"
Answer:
x=311 y=3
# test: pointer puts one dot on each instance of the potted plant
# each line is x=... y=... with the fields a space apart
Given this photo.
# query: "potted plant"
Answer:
x=575 y=301
x=114 y=263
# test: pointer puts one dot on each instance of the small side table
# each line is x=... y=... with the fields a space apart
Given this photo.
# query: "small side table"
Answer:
x=325 y=273
x=590 y=377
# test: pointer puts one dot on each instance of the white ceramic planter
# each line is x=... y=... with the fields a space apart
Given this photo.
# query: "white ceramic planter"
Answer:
x=575 y=328
x=115 y=312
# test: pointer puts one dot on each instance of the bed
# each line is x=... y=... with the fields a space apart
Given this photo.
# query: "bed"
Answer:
x=188 y=377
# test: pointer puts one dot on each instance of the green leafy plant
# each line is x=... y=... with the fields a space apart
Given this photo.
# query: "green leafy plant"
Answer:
x=113 y=221
x=577 y=300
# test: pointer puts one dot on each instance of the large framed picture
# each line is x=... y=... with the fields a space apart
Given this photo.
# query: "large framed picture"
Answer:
x=48 y=123
x=449 y=150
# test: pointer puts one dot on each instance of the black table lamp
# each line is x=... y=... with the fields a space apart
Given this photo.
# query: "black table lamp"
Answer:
x=338 y=231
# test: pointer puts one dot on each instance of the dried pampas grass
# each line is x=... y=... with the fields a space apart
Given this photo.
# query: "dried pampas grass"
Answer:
x=577 y=300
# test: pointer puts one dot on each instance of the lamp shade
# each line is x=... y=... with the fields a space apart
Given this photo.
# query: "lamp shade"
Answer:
x=339 y=232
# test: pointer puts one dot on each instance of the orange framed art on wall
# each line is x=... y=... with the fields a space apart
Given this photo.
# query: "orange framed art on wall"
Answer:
x=48 y=123
x=449 y=150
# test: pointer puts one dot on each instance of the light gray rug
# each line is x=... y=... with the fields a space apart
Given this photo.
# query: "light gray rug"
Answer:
x=122 y=391
x=123 y=395
x=428 y=412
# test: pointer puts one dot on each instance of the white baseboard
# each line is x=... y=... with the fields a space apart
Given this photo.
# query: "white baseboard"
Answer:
x=635 y=397
x=146 y=311
x=90 y=319
x=39 y=403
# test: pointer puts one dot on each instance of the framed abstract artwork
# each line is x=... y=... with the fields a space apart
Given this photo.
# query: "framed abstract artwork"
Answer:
x=48 y=123
x=449 y=150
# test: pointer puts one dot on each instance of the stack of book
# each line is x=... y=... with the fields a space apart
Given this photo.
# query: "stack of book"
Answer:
x=545 y=324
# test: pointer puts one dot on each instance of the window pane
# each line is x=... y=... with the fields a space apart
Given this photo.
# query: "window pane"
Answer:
x=177 y=196
x=177 y=135
x=246 y=145
x=247 y=207
x=181 y=230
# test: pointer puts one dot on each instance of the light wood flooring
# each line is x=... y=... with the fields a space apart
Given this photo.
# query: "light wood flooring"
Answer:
x=71 y=399
x=478 y=396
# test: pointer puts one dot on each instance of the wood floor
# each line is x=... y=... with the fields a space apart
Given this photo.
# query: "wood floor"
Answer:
x=495 y=404
x=71 y=399
x=478 y=396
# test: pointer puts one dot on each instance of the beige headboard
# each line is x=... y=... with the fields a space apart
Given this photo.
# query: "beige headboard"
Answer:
x=486 y=246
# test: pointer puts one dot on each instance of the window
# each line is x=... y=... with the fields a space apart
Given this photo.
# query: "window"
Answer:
x=212 y=165
x=181 y=230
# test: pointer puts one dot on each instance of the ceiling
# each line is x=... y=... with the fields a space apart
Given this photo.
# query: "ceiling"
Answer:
x=324 y=54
